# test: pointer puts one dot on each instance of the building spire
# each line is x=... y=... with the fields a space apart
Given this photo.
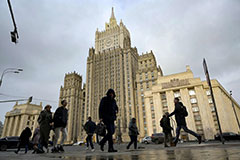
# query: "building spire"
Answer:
x=112 y=15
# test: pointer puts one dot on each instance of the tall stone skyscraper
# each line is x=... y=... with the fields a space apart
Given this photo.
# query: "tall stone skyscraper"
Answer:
x=73 y=92
x=113 y=63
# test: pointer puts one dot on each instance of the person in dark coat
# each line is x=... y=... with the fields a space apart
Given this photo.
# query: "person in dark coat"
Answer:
x=133 y=133
x=24 y=139
x=46 y=122
x=108 y=110
x=165 y=124
x=60 y=123
x=181 y=122
x=90 y=127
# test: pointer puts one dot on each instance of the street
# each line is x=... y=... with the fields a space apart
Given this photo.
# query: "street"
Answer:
x=185 y=151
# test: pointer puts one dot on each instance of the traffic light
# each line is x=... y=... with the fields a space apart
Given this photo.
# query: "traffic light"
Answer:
x=14 y=37
x=30 y=99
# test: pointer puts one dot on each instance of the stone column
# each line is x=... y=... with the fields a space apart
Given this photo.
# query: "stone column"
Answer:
x=15 y=125
x=9 y=127
x=4 y=132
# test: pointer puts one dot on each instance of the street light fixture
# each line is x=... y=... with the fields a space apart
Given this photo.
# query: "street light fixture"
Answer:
x=10 y=70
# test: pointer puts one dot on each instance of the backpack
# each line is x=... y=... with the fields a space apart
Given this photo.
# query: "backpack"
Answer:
x=183 y=111
x=101 y=129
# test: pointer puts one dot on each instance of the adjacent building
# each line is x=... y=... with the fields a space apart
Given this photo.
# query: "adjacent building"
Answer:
x=195 y=95
x=22 y=116
x=73 y=92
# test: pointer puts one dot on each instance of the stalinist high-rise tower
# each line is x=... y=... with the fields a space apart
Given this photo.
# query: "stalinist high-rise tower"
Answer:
x=113 y=63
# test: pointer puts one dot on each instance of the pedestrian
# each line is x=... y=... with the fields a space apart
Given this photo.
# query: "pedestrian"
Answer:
x=60 y=123
x=180 y=113
x=108 y=110
x=165 y=124
x=46 y=122
x=35 y=139
x=90 y=128
x=24 y=139
x=133 y=133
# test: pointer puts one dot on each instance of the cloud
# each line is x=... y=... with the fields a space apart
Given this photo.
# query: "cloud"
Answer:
x=55 y=37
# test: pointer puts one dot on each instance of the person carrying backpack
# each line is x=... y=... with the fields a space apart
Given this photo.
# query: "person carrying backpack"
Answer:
x=165 y=124
x=180 y=113
x=90 y=127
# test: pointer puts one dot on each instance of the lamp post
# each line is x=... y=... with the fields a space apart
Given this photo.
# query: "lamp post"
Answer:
x=10 y=70
x=234 y=109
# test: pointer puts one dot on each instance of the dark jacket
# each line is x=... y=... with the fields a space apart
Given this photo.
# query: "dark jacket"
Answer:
x=133 y=130
x=90 y=127
x=60 y=117
x=180 y=119
x=108 y=110
x=44 y=120
x=165 y=124
x=25 y=135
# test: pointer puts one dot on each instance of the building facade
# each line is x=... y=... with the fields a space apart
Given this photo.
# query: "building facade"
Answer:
x=113 y=63
x=146 y=77
x=195 y=95
x=22 y=116
x=73 y=92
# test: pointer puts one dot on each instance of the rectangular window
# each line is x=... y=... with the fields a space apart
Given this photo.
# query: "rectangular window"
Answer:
x=208 y=92
x=192 y=92
x=210 y=100
x=177 y=94
x=195 y=109
x=193 y=100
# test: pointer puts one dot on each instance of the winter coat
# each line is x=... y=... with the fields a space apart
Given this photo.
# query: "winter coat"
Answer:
x=165 y=124
x=25 y=135
x=90 y=127
x=36 y=136
x=180 y=119
x=60 y=117
x=44 y=120
x=108 y=110
x=133 y=130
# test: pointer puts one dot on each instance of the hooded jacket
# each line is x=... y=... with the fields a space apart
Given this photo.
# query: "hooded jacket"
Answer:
x=108 y=108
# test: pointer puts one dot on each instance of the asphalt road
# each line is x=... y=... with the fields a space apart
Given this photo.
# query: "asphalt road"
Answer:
x=185 y=151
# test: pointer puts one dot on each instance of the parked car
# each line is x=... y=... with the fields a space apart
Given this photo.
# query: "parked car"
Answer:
x=147 y=140
x=227 y=136
x=11 y=143
x=157 y=138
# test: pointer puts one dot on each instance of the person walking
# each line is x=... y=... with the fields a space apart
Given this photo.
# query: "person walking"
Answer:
x=165 y=124
x=90 y=127
x=60 y=120
x=133 y=133
x=46 y=122
x=24 y=139
x=180 y=113
x=108 y=110
x=35 y=139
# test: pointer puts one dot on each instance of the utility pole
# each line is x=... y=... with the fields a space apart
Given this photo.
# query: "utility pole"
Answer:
x=214 y=104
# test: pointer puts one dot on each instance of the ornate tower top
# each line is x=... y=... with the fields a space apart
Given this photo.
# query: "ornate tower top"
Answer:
x=112 y=22
x=114 y=36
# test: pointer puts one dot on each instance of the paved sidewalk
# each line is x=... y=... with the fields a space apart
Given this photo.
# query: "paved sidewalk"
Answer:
x=185 y=151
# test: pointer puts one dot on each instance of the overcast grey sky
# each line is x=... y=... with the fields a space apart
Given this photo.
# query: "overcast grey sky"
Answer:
x=55 y=37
